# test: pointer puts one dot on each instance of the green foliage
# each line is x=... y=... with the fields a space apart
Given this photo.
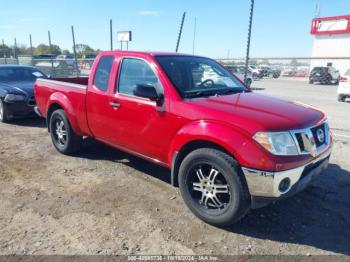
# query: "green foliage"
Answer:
x=83 y=49
x=46 y=49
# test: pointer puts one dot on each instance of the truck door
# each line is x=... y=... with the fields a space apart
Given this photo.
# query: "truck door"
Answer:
x=142 y=127
x=100 y=110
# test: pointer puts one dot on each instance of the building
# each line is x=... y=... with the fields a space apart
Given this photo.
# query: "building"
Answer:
x=331 y=42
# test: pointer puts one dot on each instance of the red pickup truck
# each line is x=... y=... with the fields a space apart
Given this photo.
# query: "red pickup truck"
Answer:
x=229 y=149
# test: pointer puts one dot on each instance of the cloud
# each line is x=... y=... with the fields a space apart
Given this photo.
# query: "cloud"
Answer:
x=6 y=26
x=148 y=13
x=30 y=19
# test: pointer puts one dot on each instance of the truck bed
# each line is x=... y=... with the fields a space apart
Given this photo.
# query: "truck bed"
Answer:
x=49 y=92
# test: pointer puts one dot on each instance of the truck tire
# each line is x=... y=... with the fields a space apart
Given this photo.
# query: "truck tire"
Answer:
x=341 y=98
x=213 y=187
x=62 y=134
x=3 y=112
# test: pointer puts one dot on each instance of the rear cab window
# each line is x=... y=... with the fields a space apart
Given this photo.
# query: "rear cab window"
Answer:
x=103 y=71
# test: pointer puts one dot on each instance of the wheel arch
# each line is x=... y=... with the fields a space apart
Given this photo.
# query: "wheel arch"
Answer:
x=60 y=101
x=187 y=148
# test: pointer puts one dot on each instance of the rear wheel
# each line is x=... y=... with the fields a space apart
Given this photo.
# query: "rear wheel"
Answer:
x=3 y=112
x=62 y=134
x=213 y=187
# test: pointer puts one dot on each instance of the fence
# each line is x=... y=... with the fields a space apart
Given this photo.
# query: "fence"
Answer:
x=295 y=67
x=55 y=67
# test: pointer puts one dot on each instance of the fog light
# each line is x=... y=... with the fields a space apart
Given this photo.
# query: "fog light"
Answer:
x=284 y=185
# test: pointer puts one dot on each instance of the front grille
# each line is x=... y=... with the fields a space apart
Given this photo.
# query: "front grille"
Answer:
x=300 y=142
x=31 y=101
x=313 y=137
x=314 y=131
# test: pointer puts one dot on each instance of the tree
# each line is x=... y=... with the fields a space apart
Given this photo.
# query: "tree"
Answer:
x=46 y=49
x=5 y=51
x=65 y=52
x=83 y=49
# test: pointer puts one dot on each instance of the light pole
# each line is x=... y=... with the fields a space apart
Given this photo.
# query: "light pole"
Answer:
x=248 y=42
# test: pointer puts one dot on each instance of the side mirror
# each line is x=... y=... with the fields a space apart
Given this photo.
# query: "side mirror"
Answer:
x=148 y=91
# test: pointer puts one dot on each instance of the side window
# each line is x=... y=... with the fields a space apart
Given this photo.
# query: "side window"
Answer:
x=134 y=72
x=102 y=72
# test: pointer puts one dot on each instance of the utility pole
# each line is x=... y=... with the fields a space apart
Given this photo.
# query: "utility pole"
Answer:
x=180 y=32
x=3 y=45
x=194 y=35
x=31 y=45
x=75 y=52
x=50 y=45
x=248 y=42
x=111 y=32
x=14 y=51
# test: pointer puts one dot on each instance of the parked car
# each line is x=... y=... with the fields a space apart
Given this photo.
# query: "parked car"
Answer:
x=288 y=72
x=300 y=73
x=344 y=87
x=255 y=72
x=266 y=71
x=239 y=72
x=324 y=75
x=68 y=60
x=229 y=149
x=17 y=91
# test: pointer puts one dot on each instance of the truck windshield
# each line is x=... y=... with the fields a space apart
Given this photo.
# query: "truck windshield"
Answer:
x=199 y=77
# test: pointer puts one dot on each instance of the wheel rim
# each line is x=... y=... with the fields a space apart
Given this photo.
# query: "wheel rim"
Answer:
x=1 y=110
x=208 y=188
x=60 y=132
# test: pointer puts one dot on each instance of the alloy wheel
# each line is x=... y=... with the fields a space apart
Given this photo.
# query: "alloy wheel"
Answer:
x=209 y=188
x=60 y=132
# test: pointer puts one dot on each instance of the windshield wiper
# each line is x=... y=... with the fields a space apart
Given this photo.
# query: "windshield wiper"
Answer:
x=229 y=91
x=200 y=94
x=215 y=92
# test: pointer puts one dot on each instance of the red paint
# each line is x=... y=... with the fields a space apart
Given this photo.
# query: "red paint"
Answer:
x=317 y=21
x=343 y=79
x=140 y=128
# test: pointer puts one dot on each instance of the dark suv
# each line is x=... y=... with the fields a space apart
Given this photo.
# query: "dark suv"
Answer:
x=324 y=75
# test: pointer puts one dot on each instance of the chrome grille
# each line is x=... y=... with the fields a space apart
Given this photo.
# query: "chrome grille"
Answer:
x=310 y=134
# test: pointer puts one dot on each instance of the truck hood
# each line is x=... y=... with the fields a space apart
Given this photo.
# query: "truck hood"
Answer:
x=255 y=112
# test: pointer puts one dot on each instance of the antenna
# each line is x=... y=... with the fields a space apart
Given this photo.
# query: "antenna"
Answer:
x=180 y=33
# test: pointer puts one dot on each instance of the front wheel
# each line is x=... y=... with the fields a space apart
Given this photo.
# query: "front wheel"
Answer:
x=63 y=137
x=213 y=187
x=3 y=112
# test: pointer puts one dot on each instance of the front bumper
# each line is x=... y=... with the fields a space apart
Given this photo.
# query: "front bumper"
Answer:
x=268 y=184
x=19 y=109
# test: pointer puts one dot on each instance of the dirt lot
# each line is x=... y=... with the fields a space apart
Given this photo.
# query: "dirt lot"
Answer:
x=103 y=201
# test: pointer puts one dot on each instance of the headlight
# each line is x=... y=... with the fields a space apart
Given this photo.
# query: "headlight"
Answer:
x=14 y=98
x=278 y=143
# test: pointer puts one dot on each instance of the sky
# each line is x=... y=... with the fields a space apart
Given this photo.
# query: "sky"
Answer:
x=280 y=27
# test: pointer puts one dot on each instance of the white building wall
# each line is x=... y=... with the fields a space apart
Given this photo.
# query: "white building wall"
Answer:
x=332 y=46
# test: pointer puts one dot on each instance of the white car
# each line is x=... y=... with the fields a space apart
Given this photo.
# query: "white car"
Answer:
x=344 y=87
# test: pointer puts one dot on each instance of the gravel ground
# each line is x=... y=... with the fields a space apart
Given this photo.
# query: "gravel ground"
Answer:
x=104 y=201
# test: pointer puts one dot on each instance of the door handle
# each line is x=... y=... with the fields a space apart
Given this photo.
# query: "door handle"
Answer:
x=114 y=104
